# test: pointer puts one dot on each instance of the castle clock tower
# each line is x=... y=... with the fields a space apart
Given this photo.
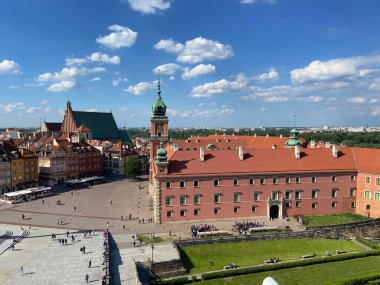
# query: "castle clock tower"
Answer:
x=159 y=127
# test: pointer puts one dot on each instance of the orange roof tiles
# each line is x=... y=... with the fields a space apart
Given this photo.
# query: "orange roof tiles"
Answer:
x=226 y=162
x=367 y=159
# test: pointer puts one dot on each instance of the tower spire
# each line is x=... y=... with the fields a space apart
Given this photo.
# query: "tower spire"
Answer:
x=158 y=83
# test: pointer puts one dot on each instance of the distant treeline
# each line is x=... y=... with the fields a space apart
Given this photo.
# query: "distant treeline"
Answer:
x=371 y=140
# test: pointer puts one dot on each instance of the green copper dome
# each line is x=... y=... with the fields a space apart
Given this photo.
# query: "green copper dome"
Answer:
x=293 y=140
x=161 y=152
x=159 y=107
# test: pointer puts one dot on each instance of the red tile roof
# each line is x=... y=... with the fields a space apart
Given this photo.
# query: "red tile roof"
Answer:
x=226 y=162
x=367 y=159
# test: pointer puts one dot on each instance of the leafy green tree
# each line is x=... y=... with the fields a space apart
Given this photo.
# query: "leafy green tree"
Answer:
x=133 y=167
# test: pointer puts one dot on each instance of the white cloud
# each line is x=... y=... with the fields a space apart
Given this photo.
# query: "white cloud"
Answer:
x=271 y=75
x=272 y=2
x=118 y=38
x=168 y=68
x=92 y=110
x=175 y=113
x=9 y=66
x=105 y=58
x=196 y=50
x=70 y=61
x=200 y=69
x=310 y=99
x=95 y=79
x=64 y=85
x=12 y=87
x=9 y=108
x=263 y=109
x=359 y=100
x=148 y=6
x=213 y=112
x=333 y=69
x=140 y=88
x=375 y=110
x=33 y=110
x=94 y=57
x=68 y=74
x=123 y=109
x=117 y=81
x=44 y=102
x=222 y=86
x=172 y=77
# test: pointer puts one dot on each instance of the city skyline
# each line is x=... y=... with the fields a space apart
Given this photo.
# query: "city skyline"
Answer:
x=248 y=63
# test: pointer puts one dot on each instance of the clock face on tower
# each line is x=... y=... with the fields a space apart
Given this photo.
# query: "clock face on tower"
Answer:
x=159 y=130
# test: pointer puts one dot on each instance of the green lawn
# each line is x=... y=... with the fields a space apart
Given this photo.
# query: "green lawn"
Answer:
x=309 y=275
x=323 y=220
x=202 y=258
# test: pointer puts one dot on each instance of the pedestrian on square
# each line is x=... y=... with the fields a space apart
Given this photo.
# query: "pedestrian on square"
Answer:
x=107 y=224
x=87 y=277
x=67 y=234
x=63 y=221
x=43 y=201
x=75 y=208
x=72 y=238
x=22 y=270
x=121 y=218
x=89 y=264
x=111 y=202
x=81 y=250
x=65 y=241
x=134 y=244
x=30 y=226
x=23 y=216
x=143 y=221
x=84 y=250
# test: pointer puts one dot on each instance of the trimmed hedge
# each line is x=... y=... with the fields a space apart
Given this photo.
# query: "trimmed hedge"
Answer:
x=358 y=280
x=173 y=281
x=367 y=243
x=285 y=265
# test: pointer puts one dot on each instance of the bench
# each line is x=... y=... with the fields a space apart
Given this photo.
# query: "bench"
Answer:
x=340 y=251
x=307 y=256
x=230 y=266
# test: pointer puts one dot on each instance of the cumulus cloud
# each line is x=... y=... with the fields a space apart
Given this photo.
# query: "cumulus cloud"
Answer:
x=44 y=102
x=33 y=110
x=119 y=37
x=224 y=111
x=9 y=66
x=196 y=50
x=271 y=75
x=68 y=73
x=334 y=69
x=168 y=68
x=200 y=69
x=176 y=113
x=148 y=6
x=64 y=85
x=222 y=86
x=9 y=108
x=97 y=57
x=140 y=88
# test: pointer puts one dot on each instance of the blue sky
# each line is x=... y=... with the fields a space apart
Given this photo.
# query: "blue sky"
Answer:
x=230 y=63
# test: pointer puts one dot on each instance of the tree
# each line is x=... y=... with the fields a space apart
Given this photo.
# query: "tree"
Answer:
x=133 y=167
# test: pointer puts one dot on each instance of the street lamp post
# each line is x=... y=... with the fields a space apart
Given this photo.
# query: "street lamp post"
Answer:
x=152 y=251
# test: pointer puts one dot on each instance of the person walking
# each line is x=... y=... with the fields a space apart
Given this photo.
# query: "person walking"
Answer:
x=87 y=277
x=89 y=264
x=67 y=234
x=22 y=270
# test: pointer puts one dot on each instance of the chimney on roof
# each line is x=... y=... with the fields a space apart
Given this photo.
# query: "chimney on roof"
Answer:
x=267 y=135
x=335 y=151
x=328 y=145
x=274 y=146
x=201 y=154
x=254 y=135
x=297 y=152
x=241 y=153
x=280 y=136
x=197 y=140
x=312 y=143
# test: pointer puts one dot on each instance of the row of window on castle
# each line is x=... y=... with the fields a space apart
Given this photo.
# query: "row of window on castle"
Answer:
x=261 y=181
x=254 y=208
x=275 y=195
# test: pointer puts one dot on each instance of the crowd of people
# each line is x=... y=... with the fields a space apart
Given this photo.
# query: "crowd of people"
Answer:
x=197 y=228
x=242 y=226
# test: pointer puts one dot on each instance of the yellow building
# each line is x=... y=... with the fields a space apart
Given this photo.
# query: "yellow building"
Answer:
x=24 y=166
